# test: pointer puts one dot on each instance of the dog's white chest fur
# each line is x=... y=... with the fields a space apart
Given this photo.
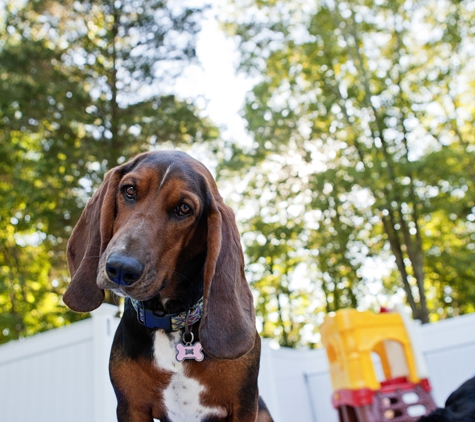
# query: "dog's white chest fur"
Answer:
x=182 y=396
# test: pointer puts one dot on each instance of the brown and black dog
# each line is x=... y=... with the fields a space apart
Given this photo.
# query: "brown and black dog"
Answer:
x=158 y=233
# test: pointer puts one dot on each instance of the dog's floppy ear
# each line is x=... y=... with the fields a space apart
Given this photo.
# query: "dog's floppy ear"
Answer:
x=227 y=328
x=88 y=241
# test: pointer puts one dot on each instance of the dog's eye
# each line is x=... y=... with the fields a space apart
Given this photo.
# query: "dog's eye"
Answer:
x=130 y=192
x=182 y=210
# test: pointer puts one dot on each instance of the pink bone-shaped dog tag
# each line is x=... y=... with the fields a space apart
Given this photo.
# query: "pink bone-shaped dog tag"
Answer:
x=189 y=351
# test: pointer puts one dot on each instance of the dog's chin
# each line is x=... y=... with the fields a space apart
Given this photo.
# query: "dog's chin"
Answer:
x=134 y=292
x=142 y=297
x=118 y=292
x=143 y=293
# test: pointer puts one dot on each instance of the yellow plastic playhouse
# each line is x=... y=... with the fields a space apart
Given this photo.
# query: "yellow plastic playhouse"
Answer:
x=358 y=344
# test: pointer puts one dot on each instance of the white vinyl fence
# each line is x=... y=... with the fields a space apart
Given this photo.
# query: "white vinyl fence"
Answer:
x=62 y=375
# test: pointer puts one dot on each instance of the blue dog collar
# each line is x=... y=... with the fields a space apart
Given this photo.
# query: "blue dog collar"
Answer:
x=170 y=322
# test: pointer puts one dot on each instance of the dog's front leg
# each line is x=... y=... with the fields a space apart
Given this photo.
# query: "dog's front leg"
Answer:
x=126 y=413
x=244 y=413
x=251 y=417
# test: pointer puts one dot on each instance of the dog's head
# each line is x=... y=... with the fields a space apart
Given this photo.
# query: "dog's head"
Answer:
x=152 y=221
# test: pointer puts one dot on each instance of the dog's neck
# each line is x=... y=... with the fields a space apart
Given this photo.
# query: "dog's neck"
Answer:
x=169 y=314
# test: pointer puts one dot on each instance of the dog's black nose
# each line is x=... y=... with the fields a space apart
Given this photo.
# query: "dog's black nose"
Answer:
x=123 y=270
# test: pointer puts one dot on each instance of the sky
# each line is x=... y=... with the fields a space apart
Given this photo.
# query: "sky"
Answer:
x=215 y=85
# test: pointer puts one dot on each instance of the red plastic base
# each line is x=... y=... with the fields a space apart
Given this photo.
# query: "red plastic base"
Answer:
x=385 y=405
x=365 y=396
